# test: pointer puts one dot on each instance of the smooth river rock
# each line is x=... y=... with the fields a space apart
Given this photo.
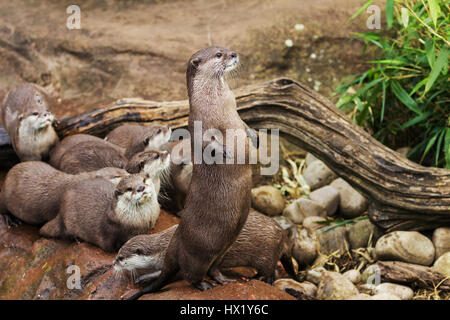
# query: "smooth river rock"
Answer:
x=332 y=240
x=353 y=275
x=403 y=292
x=334 y=286
x=313 y=223
x=301 y=290
x=406 y=246
x=268 y=200
x=360 y=233
x=352 y=204
x=317 y=175
x=442 y=264
x=301 y=208
x=441 y=241
x=328 y=197
x=305 y=248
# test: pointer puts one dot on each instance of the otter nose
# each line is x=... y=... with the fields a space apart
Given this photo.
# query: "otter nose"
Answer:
x=140 y=189
x=233 y=55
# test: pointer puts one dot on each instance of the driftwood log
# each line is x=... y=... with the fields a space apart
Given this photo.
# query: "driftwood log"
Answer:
x=403 y=195
x=413 y=275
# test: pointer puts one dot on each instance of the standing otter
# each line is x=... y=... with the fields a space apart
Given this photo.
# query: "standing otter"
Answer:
x=218 y=200
x=98 y=212
x=28 y=122
x=261 y=243
x=32 y=190
x=136 y=138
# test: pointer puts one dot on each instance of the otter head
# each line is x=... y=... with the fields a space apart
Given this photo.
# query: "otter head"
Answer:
x=151 y=163
x=114 y=175
x=135 y=190
x=211 y=63
x=140 y=252
x=37 y=120
x=156 y=136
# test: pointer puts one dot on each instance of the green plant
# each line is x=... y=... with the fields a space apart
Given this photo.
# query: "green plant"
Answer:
x=404 y=95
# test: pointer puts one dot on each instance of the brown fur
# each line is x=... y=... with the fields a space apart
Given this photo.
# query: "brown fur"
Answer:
x=261 y=243
x=32 y=190
x=22 y=107
x=218 y=200
x=136 y=138
x=68 y=143
x=90 y=211
x=81 y=152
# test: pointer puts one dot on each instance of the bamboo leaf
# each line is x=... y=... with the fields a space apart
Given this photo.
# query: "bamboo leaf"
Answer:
x=429 y=49
x=431 y=142
x=403 y=96
x=383 y=104
x=435 y=10
x=441 y=61
x=416 y=120
x=447 y=148
x=438 y=147
x=389 y=12
x=364 y=7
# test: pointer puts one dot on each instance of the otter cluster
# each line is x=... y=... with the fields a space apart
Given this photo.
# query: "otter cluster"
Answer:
x=102 y=191
x=105 y=191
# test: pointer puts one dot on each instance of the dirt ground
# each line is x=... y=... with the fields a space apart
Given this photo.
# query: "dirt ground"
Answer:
x=140 y=48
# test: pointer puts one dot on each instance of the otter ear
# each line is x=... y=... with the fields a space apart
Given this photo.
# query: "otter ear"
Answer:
x=195 y=62
x=146 y=141
x=141 y=165
x=21 y=117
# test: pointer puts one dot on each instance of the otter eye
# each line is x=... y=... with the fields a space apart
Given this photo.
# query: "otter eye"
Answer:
x=35 y=113
x=139 y=252
x=129 y=189
x=159 y=131
x=120 y=258
x=218 y=55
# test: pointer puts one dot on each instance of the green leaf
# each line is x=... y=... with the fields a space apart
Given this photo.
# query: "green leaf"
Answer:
x=435 y=10
x=357 y=13
x=403 y=96
x=416 y=120
x=383 y=105
x=387 y=61
x=418 y=86
x=438 y=147
x=447 y=148
x=429 y=49
x=437 y=68
x=389 y=12
x=429 y=145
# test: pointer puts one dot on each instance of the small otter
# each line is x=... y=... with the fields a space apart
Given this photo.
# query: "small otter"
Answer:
x=136 y=138
x=93 y=153
x=68 y=143
x=107 y=216
x=28 y=122
x=154 y=164
x=218 y=199
x=32 y=190
x=261 y=243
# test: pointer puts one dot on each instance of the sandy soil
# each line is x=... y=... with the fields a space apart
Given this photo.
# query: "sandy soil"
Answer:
x=140 y=48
